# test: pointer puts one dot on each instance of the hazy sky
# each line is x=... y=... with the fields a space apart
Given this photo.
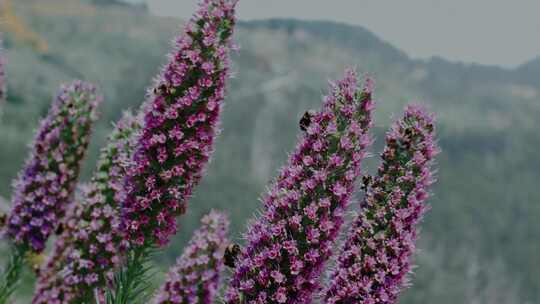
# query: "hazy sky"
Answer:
x=502 y=32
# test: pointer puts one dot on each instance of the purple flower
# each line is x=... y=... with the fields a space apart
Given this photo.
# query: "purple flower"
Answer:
x=87 y=253
x=44 y=188
x=289 y=245
x=195 y=277
x=180 y=124
x=376 y=258
x=52 y=285
x=3 y=80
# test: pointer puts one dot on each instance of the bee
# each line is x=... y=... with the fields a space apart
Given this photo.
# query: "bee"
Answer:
x=306 y=120
x=164 y=89
x=430 y=127
x=366 y=182
x=36 y=269
x=231 y=253
x=35 y=261
x=3 y=220
x=59 y=230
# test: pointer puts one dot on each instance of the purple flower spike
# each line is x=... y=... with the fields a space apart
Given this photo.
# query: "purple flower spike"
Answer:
x=195 y=277
x=44 y=189
x=3 y=80
x=289 y=245
x=181 y=122
x=374 y=263
x=51 y=286
x=89 y=250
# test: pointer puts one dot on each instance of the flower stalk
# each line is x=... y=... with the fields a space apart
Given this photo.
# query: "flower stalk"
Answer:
x=180 y=125
x=44 y=188
x=181 y=120
x=288 y=246
x=376 y=258
x=89 y=250
x=195 y=277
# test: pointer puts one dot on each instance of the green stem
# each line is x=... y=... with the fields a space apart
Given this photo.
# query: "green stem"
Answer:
x=132 y=283
x=12 y=273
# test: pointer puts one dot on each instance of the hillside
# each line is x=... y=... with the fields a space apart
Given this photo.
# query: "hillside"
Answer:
x=480 y=240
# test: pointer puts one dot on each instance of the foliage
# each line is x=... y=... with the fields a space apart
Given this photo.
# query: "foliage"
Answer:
x=12 y=273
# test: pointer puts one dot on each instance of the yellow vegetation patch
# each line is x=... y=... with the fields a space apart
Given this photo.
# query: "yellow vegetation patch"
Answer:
x=10 y=22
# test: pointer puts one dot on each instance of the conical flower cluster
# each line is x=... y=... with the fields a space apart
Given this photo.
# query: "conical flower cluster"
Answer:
x=374 y=263
x=195 y=277
x=180 y=124
x=44 y=188
x=88 y=252
x=303 y=212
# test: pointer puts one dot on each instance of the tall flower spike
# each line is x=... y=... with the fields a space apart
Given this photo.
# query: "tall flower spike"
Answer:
x=289 y=245
x=87 y=253
x=3 y=77
x=51 y=286
x=181 y=122
x=195 y=277
x=44 y=188
x=376 y=258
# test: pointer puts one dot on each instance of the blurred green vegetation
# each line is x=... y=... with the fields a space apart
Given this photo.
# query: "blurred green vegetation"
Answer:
x=480 y=242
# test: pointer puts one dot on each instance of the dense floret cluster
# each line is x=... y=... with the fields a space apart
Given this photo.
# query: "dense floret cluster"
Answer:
x=374 y=263
x=180 y=125
x=303 y=212
x=195 y=277
x=89 y=250
x=44 y=188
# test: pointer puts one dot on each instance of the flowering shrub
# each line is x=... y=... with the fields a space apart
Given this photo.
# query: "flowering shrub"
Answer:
x=86 y=254
x=180 y=123
x=303 y=212
x=195 y=277
x=153 y=161
x=376 y=258
x=43 y=190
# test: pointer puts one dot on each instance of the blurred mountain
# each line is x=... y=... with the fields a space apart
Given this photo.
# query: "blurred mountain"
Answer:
x=480 y=241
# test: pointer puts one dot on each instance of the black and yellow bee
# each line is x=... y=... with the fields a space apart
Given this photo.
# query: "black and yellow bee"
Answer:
x=164 y=89
x=366 y=182
x=3 y=220
x=59 y=230
x=231 y=253
x=305 y=121
x=36 y=269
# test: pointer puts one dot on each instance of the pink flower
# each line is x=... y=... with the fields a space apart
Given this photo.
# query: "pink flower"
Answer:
x=292 y=240
x=43 y=189
x=180 y=124
x=195 y=277
x=378 y=250
x=92 y=243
